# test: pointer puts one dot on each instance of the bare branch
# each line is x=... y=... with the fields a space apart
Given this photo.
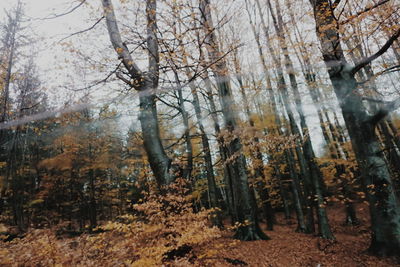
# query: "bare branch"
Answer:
x=359 y=65
x=335 y=4
x=83 y=31
x=31 y=107
x=367 y=9
x=385 y=71
x=121 y=49
x=169 y=104
x=104 y=80
x=122 y=78
x=65 y=13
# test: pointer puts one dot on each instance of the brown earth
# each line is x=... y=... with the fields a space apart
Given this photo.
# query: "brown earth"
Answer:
x=288 y=248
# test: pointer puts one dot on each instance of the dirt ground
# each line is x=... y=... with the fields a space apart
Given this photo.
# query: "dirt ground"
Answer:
x=288 y=248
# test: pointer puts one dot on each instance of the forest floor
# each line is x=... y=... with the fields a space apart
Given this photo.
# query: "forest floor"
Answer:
x=286 y=247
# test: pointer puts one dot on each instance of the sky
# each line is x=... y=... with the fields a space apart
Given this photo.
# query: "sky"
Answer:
x=59 y=68
x=48 y=32
x=36 y=10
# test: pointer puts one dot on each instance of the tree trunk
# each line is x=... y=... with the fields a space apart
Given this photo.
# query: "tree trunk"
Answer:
x=383 y=204
x=160 y=163
x=295 y=184
x=246 y=212
x=146 y=84
x=324 y=228
x=228 y=172
x=304 y=169
x=260 y=179
x=212 y=186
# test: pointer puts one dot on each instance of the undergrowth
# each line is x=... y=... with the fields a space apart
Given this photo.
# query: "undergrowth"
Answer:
x=162 y=229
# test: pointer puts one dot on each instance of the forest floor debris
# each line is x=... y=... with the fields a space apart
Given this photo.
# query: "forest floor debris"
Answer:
x=286 y=248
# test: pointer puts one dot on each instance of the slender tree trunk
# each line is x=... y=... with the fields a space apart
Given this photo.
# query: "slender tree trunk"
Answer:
x=323 y=224
x=228 y=172
x=246 y=211
x=283 y=194
x=212 y=186
x=333 y=145
x=296 y=189
x=5 y=100
x=260 y=179
x=92 y=201
x=295 y=184
x=304 y=169
x=187 y=169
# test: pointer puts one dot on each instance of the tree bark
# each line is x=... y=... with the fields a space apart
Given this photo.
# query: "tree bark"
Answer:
x=383 y=203
x=260 y=179
x=246 y=212
x=212 y=186
x=323 y=224
x=146 y=84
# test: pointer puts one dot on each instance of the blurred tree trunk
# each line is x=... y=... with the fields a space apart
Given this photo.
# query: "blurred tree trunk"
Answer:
x=304 y=168
x=317 y=182
x=246 y=210
x=295 y=184
x=228 y=172
x=258 y=163
x=212 y=186
x=10 y=43
x=383 y=203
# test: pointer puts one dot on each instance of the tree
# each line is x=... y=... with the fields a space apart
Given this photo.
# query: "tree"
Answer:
x=295 y=184
x=146 y=84
x=308 y=151
x=243 y=202
x=384 y=204
x=20 y=96
x=11 y=41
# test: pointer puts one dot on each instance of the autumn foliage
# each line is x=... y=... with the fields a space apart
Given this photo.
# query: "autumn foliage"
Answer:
x=173 y=131
x=161 y=228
